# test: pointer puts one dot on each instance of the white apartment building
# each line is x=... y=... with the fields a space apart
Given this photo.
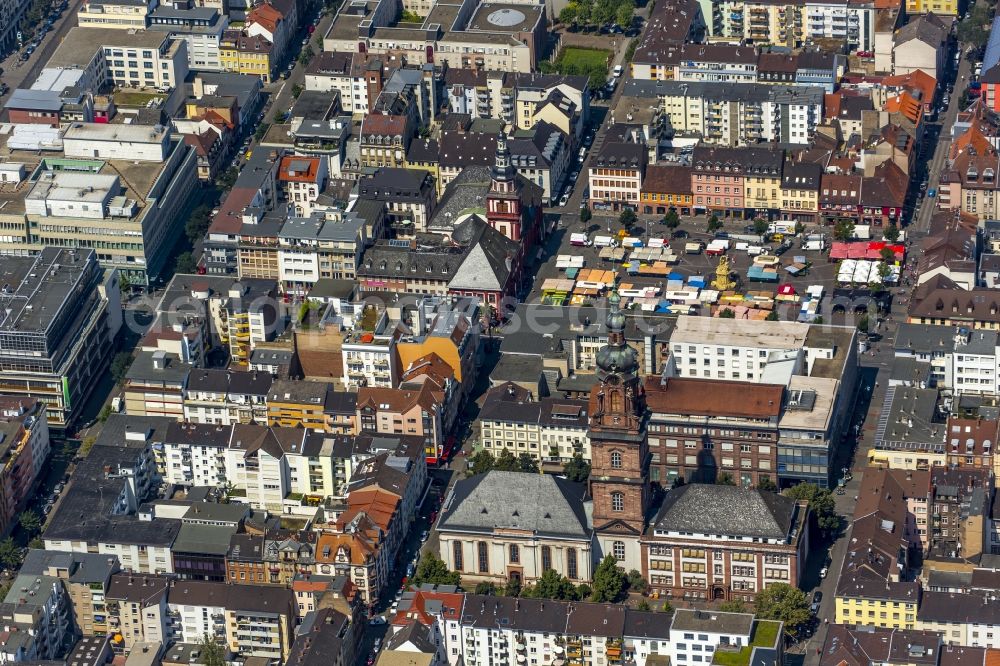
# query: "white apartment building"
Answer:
x=754 y=351
x=301 y=179
x=226 y=397
x=35 y=619
x=251 y=620
x=487 y=630
x=967 y=619
x=975 y=362
x=551 y=430
x=960 y=359
x=851 y=20
x=736 y=114
x=194 y=454
x=117 y=14
x=200 y=27
x=696 y=635
x=370 y=357
x=128 y=58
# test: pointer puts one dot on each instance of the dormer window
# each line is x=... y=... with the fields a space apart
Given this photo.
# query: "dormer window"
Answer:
x=972 y=173
x=988 y=175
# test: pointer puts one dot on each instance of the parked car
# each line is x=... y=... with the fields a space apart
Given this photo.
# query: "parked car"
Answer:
x=377 y=620
x=817 y=596
x=564 y=199
x=424 y=536
x=823 y=572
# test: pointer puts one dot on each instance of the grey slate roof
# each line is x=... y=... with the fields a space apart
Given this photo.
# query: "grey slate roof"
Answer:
x=726 y=510
x=545 y=504
x=724 y=91
x=487 y=264
x=924 y=338
x=203 y=539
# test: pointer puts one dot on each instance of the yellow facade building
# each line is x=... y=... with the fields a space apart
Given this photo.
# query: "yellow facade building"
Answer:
x=939 y=7
x=247 y=54
x=880 y=610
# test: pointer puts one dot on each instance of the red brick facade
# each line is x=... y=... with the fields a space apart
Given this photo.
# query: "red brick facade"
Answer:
x=720 y=569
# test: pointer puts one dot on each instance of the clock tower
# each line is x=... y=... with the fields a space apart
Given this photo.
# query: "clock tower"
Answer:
x=503 y=203
x=619 y=477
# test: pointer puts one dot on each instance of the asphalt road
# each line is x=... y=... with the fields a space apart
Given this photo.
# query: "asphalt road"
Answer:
x=921 y=221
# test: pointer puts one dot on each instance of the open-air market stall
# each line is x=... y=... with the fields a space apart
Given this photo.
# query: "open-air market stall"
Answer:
x=564 y=261
x=555 y=291
x=761 y=273
x=615 y=254
x=629 y=290
x=658 y=269
x=596 y=278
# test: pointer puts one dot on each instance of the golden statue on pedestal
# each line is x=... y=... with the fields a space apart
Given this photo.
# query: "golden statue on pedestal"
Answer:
x=722 y=281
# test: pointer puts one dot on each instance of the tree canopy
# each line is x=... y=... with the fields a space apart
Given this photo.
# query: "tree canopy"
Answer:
x=781 y=601
x=843 y=230
x=120 y=365
x=594 y=13
x=821 y=503
x=484 y=461
x=552 y=585
x=434 y=571
x=609 y=581
x=212 y=654
x=10 y=554
x=577 y=469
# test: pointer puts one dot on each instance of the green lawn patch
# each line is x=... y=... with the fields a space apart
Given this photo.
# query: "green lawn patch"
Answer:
x=592 y=63
x=765 y=635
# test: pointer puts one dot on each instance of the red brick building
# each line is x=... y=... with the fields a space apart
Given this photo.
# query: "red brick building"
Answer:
x=700 y=429
x=619 y=481
x=724 y=543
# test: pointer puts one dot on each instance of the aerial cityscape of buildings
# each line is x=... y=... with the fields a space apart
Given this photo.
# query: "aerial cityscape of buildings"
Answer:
x=499 y=332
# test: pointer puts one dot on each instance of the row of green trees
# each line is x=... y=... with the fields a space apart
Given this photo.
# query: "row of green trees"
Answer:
x=596 y=13
x=610 y=584
x=577 y=469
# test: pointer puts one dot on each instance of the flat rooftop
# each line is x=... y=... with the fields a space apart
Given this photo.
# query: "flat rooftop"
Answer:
x=749 y=333
x=345 y=25
x=443 y=14
x=815 y=412
x=116 y=132
x=37 y=288
x=135 y=177
x=87 y=188
x=503 y=17
x=79 y=45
